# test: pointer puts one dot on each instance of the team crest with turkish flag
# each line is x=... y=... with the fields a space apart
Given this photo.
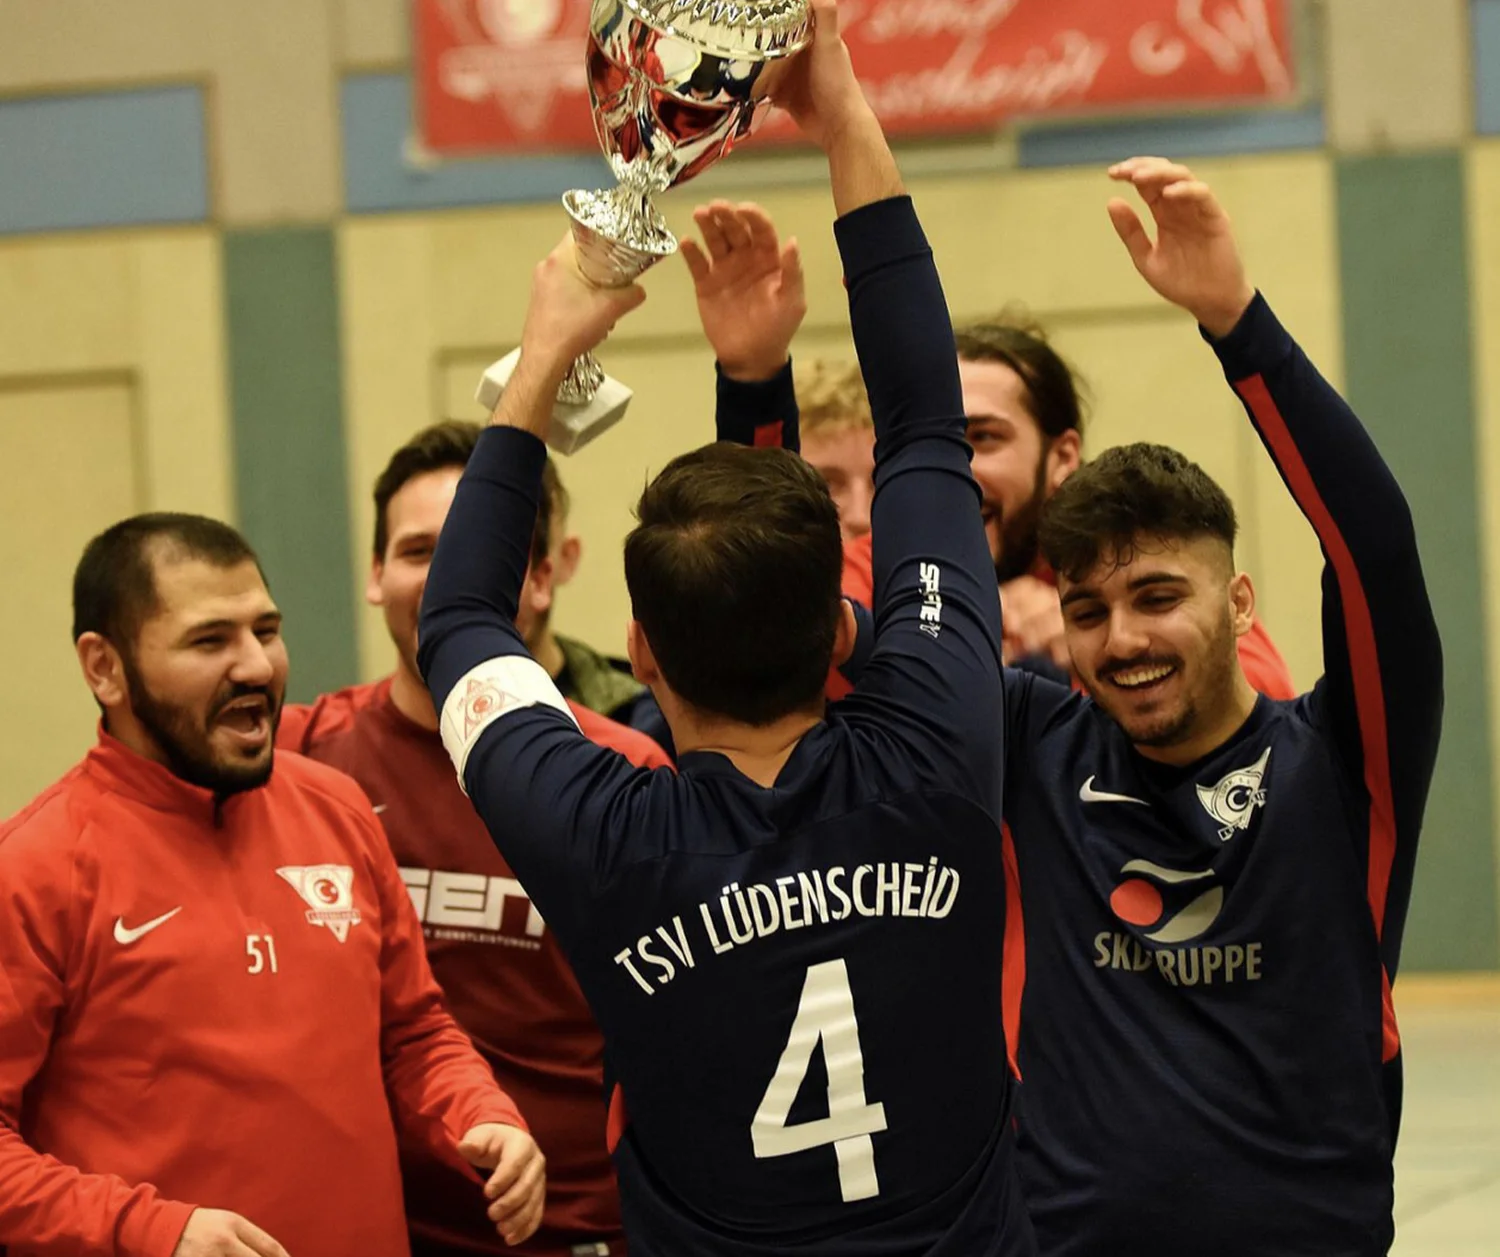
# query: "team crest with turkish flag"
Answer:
x=328 y=890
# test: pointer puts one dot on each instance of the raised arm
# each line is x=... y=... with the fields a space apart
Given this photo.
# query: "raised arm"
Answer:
x=1381 y=696
x=934 y=675
x=751 y=300
x=535 y=780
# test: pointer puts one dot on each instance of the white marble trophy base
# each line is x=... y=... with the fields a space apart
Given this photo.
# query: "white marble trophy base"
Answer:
x=573 y=425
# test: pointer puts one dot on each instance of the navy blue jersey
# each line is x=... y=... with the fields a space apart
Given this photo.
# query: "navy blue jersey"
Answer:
x=799 y=986
x=1205 y=1030
x=1207 y=1042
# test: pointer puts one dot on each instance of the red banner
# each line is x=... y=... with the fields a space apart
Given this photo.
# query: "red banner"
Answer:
x=507 y=75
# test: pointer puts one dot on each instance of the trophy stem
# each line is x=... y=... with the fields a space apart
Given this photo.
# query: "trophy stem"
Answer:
x=582 y=382
x=618 y=235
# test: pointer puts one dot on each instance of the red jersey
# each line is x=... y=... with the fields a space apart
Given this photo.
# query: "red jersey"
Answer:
x=1264 y=667
x=218 y=1005
x=506 y=977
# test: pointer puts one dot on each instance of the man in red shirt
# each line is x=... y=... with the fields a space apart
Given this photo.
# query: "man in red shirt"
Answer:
x=1025 y=423
x=213 y=993
x=508 y=981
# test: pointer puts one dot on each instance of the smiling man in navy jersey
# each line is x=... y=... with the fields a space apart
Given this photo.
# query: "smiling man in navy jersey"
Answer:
x=793 y=946
x=1215 y=884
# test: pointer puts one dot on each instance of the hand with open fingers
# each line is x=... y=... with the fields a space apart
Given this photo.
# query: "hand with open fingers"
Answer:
x=820 y=90
x=750 y=288
x=1194 y=261
x=568 y=316
x=517 y=1189
x=219 y=1233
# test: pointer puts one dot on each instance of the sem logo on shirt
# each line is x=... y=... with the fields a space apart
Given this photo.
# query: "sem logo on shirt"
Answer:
x=471 y=908
x=328 y=890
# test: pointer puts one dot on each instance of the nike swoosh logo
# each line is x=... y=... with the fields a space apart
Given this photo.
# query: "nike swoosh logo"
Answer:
x=1088 y=794
x=378 y=808
x=125 y=937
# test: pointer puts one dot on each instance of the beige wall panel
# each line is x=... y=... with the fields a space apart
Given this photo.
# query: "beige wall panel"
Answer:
x=1397 y=73
x=60 y=502
x=66 y=304
x=386 y=281
x=278 y=152
x=1484 y=244
x=374 y=33
x=419 y=338
x=272 y=67
x=180 y=333
x=46 y=44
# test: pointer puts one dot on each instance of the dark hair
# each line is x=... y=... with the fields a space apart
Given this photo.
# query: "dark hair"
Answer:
x=1053 y=388
x=448 y=444
x=114 y=584
x=1129 y=493
x=733 y=571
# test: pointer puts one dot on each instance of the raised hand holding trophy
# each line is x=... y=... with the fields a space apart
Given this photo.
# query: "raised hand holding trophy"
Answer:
x=674 y=85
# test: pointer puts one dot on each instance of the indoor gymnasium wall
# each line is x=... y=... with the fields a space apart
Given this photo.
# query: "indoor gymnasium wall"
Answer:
x=430 y=300
x=111 y=402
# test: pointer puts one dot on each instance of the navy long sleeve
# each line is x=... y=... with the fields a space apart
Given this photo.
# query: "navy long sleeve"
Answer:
x=1381 y=695
x=799 y=985
x=758 y=412
x=1206 y=1034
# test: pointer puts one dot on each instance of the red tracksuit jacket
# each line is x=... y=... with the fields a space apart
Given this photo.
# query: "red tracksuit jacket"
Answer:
x=217 y=1005
x=500 y=966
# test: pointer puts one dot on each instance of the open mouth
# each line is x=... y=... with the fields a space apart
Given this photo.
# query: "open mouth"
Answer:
x=248 y=719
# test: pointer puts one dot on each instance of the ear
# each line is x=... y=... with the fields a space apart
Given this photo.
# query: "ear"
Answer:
x=103 y=669
x=1242 y=603
x=845 y=634
x=1064 y=457
x=568 y=554
x=642 y=661
x=374 y=594
x=536 y=593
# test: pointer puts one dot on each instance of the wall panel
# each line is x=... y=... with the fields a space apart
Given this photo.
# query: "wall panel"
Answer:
x=431 y=299
x=67 y=457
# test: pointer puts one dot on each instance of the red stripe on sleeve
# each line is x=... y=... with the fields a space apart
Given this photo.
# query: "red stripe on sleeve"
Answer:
x=1013 y=952
x=1390 y=1034
x=619 y=1119
x=1364 y=661
x=768 y=435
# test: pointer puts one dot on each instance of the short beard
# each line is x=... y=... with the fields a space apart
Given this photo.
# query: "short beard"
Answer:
x=1019 y=543
x=1170 y=735
x=186 y=748
x=1220 y=657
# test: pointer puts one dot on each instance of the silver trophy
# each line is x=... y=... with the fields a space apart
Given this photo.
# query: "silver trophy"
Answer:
x=674 y=84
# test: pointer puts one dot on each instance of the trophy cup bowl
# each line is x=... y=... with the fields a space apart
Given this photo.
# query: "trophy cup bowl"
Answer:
x=674 y=85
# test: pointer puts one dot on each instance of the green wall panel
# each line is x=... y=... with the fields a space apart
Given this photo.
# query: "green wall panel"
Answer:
x=281 y=290
x=1409 y=369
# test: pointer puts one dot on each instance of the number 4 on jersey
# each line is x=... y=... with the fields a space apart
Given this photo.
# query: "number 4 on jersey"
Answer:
x=825 y=1014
